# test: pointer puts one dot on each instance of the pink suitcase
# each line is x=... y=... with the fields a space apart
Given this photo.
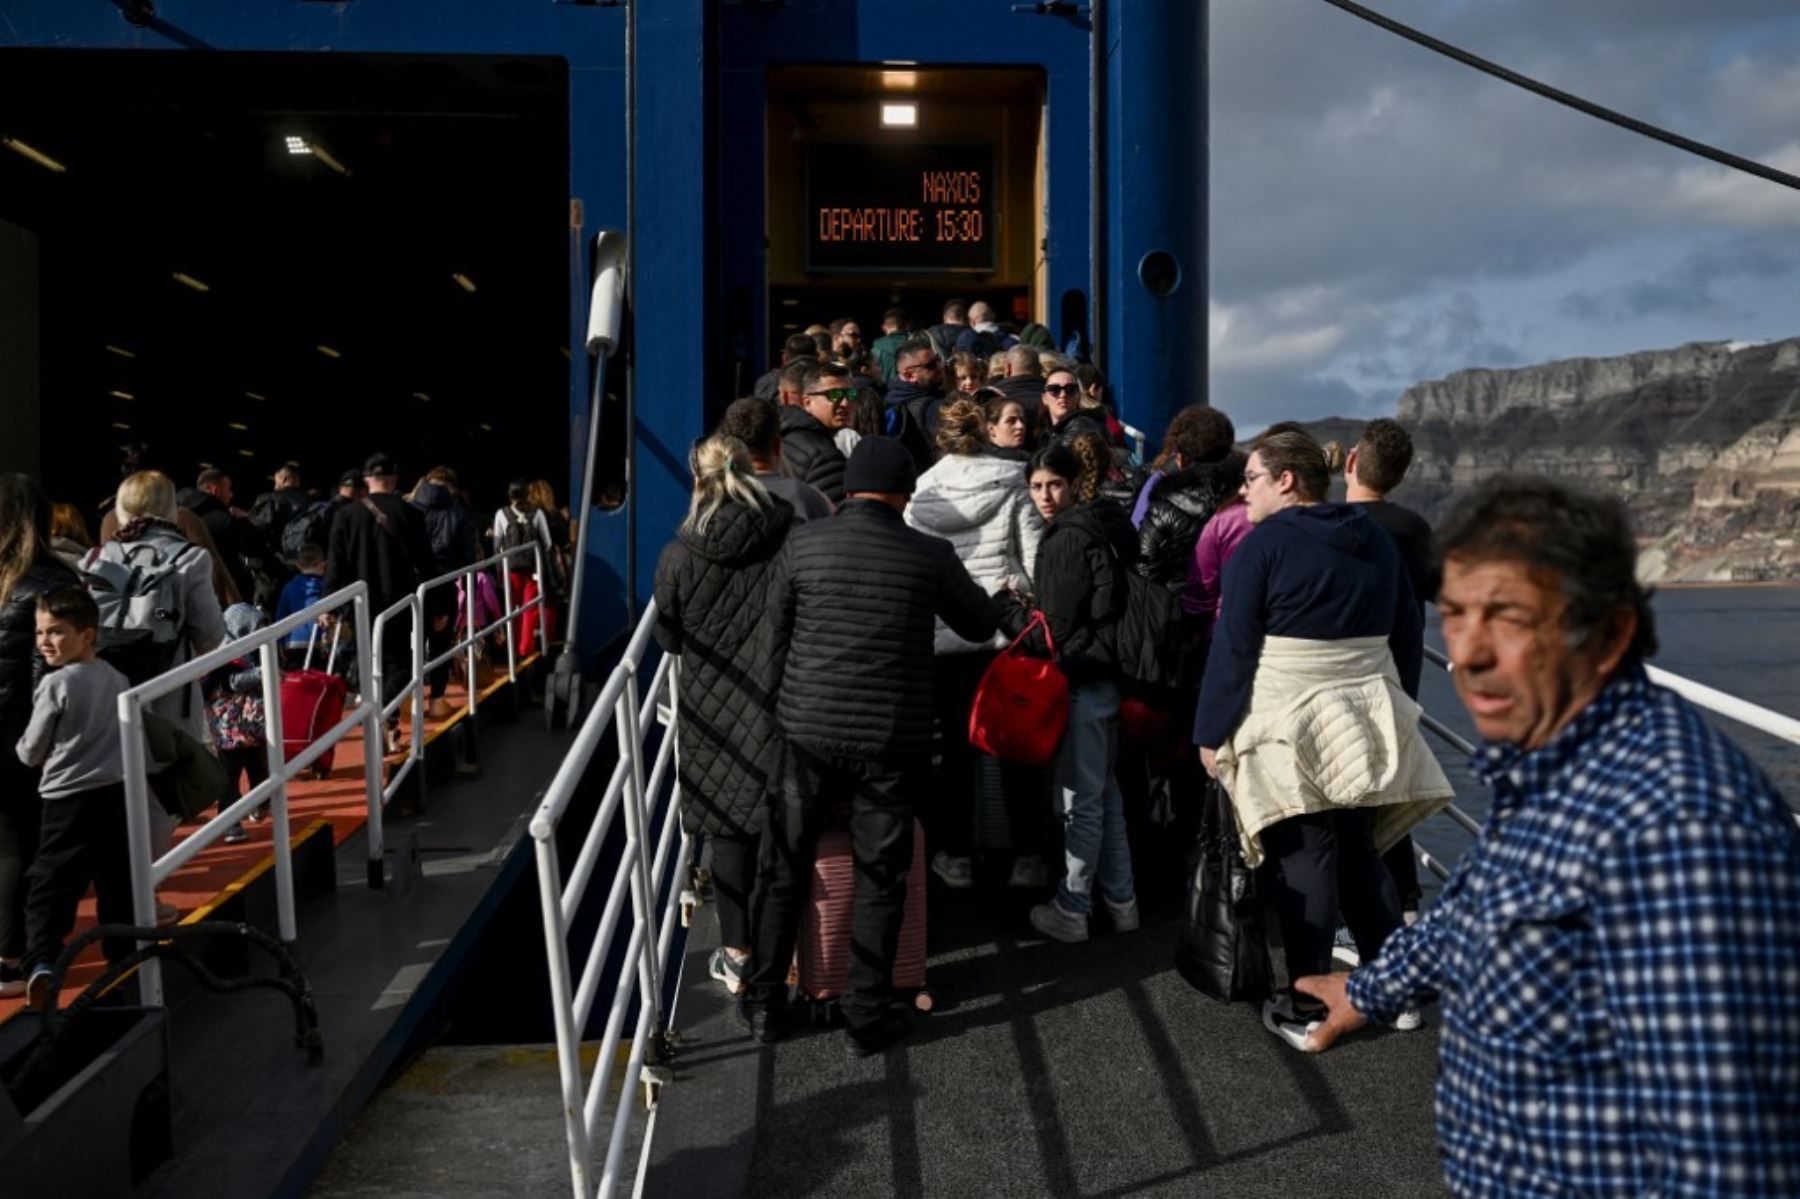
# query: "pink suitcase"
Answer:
x=823 y=954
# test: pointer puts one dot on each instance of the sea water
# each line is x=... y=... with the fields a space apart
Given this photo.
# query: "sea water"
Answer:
x=1743 y=640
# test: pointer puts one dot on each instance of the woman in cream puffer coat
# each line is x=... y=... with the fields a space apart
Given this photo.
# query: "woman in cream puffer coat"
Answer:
x=981 y=505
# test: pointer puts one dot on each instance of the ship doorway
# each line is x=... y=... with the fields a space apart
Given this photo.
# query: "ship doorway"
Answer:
x=902 y=187
x=247 y=259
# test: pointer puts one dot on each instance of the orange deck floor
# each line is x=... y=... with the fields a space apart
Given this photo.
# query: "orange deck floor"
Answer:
x=220 y=869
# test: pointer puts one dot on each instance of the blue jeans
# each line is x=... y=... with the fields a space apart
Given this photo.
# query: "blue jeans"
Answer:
x=1093 y=807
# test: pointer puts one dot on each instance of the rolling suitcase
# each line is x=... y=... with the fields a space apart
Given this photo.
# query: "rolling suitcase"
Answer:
x=823 y=954
x=312 y=701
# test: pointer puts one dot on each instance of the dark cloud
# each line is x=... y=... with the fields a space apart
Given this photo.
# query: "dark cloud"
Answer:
x=1381 y=215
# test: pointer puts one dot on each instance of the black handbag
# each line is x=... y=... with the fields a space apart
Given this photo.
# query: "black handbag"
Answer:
x=1224 y=950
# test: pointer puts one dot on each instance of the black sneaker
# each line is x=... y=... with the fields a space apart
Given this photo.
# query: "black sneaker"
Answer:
x=766 y=1024
x=12 y=980
x=879 y=1037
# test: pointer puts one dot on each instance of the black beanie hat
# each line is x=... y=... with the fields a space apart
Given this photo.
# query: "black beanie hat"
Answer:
x=881 y=464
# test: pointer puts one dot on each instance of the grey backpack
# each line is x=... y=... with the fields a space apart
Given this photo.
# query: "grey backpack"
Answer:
x=139 y=592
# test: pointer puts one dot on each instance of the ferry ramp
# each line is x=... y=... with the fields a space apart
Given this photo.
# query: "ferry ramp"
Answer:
x=1044 y=1069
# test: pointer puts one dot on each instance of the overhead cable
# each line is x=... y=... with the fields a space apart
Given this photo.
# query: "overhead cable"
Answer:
x=1724 y=157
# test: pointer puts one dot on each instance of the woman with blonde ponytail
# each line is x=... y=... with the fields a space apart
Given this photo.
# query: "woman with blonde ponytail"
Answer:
x=710 y=584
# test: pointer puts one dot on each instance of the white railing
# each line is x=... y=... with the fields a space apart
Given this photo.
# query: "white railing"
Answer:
x=640 y=874
x=1138 y=440
x=422 y=668
x=148 y=870
x=1721 y=703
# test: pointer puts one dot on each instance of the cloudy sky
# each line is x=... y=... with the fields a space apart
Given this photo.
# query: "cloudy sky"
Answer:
x=1382 y=215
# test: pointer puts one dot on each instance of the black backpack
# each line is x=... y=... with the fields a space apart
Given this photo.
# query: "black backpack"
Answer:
x=516 y=531
x=1157 y=655
x=311 y=527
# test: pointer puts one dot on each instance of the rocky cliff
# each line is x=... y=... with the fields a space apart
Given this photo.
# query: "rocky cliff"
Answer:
x=1703 y=443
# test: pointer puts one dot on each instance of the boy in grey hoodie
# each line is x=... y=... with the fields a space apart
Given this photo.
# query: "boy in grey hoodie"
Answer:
x=74 y=737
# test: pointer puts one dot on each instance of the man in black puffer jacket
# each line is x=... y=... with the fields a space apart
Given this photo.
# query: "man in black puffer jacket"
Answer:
x=856 y=598
x=809 y=450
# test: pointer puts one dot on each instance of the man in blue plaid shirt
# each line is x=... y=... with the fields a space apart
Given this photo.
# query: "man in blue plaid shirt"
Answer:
x=1618 y=956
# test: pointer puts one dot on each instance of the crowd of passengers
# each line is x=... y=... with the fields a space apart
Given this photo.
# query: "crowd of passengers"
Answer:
x=1615 y=959
x=183 y=571
x=863 y=543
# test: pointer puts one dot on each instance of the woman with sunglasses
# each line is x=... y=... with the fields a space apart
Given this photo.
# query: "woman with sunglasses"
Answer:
x=1088 y=547
x=1063 y=410
x=710 y=584
x=1305 y=715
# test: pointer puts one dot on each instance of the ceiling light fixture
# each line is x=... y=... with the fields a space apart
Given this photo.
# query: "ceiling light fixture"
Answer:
x=187 y=280
x=246 y=453
x=119 y=424
x=297 y=145
x=238 y=428
x=485 y=428
x=121 y=395
x=464 y=282
x=900 y=80
x=120 y=352
x=36 y=155
x=421 y=397
x=899 y=116
x=328 y=351
x=253 y=396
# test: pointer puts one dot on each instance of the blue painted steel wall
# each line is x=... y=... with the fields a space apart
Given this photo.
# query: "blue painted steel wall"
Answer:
x=1156 y=195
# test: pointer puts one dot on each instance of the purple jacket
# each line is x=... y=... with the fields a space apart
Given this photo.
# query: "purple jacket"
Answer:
x=1218 y=541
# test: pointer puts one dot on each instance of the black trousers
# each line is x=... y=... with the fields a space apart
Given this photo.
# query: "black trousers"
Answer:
x=20 y=812
x=249 y=762
x=396 y=659
x=880 y=796
x=734 y=885
x=1322 y=864
x=436 y=642
x=82 y=841
x=948 y=809
x=1403 y=864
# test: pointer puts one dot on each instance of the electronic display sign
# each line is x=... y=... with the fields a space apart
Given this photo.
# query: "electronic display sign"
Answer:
x=899 y=206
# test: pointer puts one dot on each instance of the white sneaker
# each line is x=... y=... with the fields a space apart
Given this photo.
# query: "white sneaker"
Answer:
x=1029 y=871
x=728 y=970
x=1059 y=923
x=1280 y=1018
x=1124 y=915
x=958 y=873
x=1409 y=1020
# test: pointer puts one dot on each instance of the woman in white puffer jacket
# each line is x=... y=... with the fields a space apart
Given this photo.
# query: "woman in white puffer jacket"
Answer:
x=981 y=505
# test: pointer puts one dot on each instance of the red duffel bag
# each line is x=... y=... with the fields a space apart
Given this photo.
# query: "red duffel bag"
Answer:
x=1022 y=705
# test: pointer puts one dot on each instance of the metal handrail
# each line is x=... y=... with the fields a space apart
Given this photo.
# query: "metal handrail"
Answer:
x=421 y=668
x=1721 y=703
x=1138 y=438
x=147 y=869
x=643 y=865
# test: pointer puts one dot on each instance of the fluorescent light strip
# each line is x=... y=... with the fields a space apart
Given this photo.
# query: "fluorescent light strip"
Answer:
x=187 y=280
x=246 y=453
x=121 y=395
x=234 y=425
x=328 y=351
x=421 y=397
x=900 y=116
x=464 y=282
x=253 y=396
x=120 y=352
x=119 y=424
x=325 y=156
x=36 y=155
